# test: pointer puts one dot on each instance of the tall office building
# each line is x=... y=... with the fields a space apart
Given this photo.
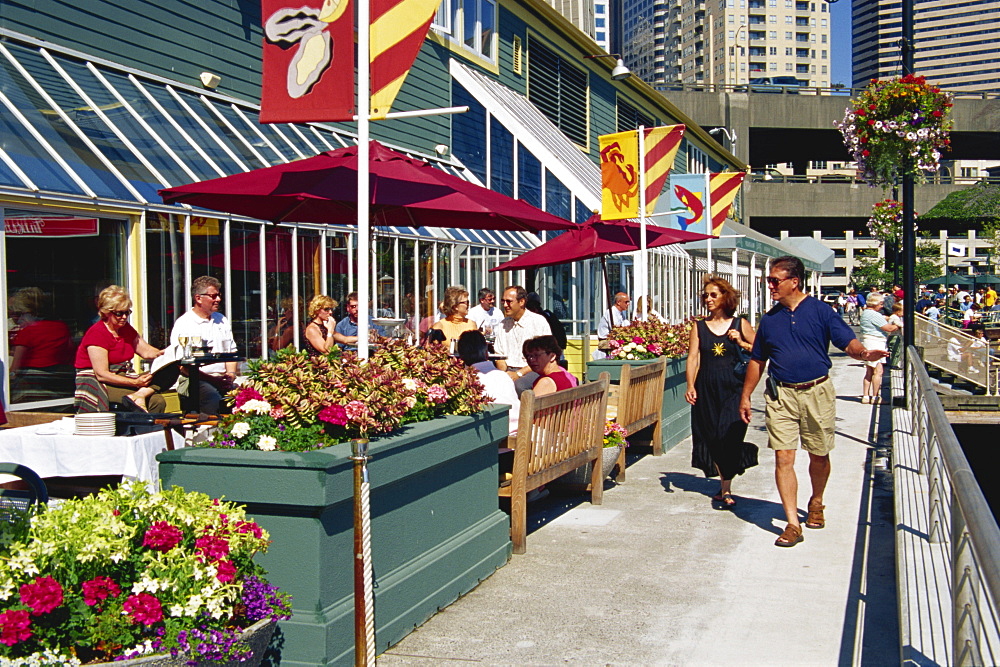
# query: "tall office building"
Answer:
x=579 y=12
x=727 y=41
x=955 y=43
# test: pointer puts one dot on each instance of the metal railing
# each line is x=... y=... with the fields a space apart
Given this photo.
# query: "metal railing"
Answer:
x=958 y=353
x=959 y=515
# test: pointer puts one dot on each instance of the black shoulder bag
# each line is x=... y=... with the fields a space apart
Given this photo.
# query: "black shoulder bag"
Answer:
x=743 y=357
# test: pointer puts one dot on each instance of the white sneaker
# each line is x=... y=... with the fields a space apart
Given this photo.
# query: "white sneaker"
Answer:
x=973 y=370
x=866 y=399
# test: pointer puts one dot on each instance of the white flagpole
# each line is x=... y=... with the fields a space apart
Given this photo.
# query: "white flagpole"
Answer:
x=708 y=222
x=364 y=153
x=643 y=277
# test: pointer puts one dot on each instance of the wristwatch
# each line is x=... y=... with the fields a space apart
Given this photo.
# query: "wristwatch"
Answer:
x=519 y=373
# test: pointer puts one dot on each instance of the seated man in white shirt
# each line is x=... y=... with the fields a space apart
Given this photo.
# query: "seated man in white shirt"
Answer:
x=204 y=321
x=472 y=350
x=519 y=325
x=614 y=316
x=486 y=313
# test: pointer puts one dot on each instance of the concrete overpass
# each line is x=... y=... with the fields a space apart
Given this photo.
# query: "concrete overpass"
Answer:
x=774 y=127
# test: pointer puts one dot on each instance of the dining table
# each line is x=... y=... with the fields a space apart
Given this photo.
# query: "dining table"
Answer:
x=53 y=450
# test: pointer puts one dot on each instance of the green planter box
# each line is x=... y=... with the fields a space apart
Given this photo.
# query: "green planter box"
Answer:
x=676 y=415
x=436 y=527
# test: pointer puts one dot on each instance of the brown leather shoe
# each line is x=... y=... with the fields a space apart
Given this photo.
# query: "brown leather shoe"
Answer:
x=790 y=537
x=815 y=519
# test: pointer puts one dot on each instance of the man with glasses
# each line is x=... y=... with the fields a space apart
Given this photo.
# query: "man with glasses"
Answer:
x=795 y=336
x=519 y=325
x=345 y=334
x=204 y=321
x=485 y=313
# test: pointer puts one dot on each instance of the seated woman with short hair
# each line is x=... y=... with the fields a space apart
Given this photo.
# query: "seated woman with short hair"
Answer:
x=542 y=354
x=104 y=361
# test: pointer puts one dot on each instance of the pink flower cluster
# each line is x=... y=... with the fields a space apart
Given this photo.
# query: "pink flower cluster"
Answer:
x=99 y=588
x=333 y=414
x=211 y=548
x=356 y=411
x=143 y=608
x=437 y=394
x=14 y=626
x=163 y=537
x=248 y=394
x=44 y=595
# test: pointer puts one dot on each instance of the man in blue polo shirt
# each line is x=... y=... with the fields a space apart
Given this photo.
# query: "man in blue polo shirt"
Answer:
x=795 y=336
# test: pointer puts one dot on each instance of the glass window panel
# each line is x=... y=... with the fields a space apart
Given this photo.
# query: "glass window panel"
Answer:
x=385 y=286
x=171 y=137
x=245 y=288
x=443 y=269
x=58 y=135
x=310 y=276
x=558 y=200
x=7 y=176
x=487 y=24
x=291 y=137
x=339 y=264
x=95 y=129
x=321 y=139
x=428 y=298
x=278 y=270
x=467 y=136
x=501 y=159
x=53 y=282
x=208 y=254
x=222 y=131
x=125 y=122
x=180 y=115
x=529 y=177
x=471 y=8
x=272 y=155
x=582 y=212
x=406 y=283
x=165 y=292
x=273 y=135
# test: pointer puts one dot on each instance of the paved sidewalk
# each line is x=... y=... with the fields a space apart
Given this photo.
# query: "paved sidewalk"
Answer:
x=656 y=576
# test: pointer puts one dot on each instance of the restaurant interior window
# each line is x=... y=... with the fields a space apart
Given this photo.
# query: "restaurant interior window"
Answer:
x=310 y=276
x=57 y=264
x=426 y=279
x=407 y=283
x=385 y=294
x=166 y=299
x=338 y=268
x=244 y=287
x=281 y=307
x=208 y=254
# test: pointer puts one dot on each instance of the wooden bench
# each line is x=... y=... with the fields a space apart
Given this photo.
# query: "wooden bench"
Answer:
x=556 y=434
x=640 y=405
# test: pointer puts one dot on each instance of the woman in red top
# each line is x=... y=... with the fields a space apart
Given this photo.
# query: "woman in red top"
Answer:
x=542 y=354
x=104 y=360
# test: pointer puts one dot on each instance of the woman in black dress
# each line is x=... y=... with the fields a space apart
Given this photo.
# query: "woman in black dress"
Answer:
x=717 y=431
x=319 y=330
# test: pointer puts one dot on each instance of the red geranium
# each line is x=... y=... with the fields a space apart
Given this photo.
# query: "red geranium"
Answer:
x=249 y=527
x=161 y=536
x=226 y=571
x=333 y=414
x=14 y=624
x=211 y=547
x=42 y=596
x=144 y=608
x=99 y=588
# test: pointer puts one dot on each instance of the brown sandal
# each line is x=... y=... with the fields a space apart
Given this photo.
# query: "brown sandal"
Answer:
x=789 y=538
x=815 y=519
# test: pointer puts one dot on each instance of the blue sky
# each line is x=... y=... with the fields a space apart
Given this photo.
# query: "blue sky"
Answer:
x=840 y=38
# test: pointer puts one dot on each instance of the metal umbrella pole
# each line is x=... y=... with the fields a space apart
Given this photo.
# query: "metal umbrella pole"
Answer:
x=364 y=594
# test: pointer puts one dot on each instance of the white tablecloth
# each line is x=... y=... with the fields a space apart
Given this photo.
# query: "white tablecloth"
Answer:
x=52 y=450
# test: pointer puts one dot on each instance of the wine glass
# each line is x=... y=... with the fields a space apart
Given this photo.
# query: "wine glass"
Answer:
x=195 y=344
x=183 y=340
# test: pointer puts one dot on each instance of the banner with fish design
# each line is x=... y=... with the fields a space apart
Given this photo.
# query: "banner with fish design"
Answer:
x=689 y=191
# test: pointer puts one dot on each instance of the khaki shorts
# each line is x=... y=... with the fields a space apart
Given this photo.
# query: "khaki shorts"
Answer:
x=802 y=415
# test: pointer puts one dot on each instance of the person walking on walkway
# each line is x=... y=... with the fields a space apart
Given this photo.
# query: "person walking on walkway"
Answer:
x=874 y=334
x=793 y=339
x=713 y=389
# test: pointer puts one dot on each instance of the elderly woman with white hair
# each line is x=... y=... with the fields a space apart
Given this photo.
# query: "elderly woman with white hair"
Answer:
x=874 y=333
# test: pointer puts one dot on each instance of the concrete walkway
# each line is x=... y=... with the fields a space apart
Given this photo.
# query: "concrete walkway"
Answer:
x=656 y=576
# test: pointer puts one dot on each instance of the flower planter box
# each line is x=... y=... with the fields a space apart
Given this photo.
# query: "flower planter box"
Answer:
x=257 y=636
x=436 y=527
x=676 y=424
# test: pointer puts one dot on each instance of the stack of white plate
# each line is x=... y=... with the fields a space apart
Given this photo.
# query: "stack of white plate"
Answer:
x=95 y=423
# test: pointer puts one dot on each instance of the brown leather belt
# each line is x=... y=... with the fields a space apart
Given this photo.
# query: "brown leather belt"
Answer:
x=804 y=385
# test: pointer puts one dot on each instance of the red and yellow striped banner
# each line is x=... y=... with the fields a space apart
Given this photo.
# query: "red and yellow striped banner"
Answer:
x=661 y=144
x=398 y=29
x=723 y=189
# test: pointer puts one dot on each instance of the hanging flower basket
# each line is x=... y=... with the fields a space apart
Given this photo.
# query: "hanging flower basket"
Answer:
x=897 y=127
x=886 y=221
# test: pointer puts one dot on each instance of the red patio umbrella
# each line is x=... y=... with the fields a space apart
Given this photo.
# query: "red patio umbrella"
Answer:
x=598 y=238
x=405 y=192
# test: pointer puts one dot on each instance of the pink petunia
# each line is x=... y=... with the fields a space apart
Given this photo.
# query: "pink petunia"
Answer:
x=99 y=588
x=144 y=608
x=163 y=537
x=14 y=624
x=44 y=595
x=356 y=411
x=249 y=527
x=226 y=571
x=212 y=548
x=437 y=394
x=248 y=394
